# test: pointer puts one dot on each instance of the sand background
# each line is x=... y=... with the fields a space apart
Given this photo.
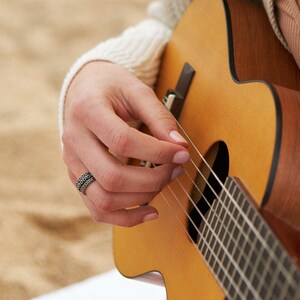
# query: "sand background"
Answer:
x=47 y=237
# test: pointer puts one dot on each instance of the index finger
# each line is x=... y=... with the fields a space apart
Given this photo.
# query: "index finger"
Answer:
x=126 y=141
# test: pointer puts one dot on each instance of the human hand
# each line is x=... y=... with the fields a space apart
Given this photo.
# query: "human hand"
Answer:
x=101 y=100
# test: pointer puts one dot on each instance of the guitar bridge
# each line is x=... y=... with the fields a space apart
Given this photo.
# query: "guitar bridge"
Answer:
x=174 y=98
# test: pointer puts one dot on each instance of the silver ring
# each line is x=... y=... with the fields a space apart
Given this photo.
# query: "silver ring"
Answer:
x=84 y=181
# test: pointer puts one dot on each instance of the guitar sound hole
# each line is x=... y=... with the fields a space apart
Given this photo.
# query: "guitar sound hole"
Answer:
x=205 y=190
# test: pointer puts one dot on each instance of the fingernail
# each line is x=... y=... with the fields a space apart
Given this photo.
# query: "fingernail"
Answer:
x=177 y=172
x=181 y=157
x=150 y=217
x=177 y=137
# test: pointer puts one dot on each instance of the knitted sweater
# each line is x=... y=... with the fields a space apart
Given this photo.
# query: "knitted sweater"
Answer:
x=140 y=47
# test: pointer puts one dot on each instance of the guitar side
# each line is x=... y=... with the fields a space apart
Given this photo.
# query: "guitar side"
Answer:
x=250 y=62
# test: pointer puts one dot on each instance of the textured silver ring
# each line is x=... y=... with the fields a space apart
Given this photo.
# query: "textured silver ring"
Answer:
x=84 y=181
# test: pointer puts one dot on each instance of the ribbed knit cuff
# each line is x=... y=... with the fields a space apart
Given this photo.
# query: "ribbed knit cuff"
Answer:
x=288 y=15
x=270 y=9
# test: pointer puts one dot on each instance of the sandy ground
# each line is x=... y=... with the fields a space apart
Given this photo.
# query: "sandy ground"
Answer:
x=47 y=238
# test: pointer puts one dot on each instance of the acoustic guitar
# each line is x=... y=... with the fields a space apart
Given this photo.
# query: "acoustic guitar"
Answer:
x=229 y=227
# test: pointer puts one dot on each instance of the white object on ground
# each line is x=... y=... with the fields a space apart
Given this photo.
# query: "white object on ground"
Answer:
x=108 y=286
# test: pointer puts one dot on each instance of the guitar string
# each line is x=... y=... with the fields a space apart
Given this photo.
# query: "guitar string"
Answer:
x=242 y=273
x=221 y=221
x=282 y=267
x=250 y=224
x=183 y=227
x=225 y=249
x=289 y=280
x=256 y=232
x=226 y=228
x=248 y=283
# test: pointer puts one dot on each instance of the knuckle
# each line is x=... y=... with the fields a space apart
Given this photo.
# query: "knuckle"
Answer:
x=111 y=180
x=68 y=138
x=158 y=186
x=80 y=106
x=104 y=205
x=158 y=181
x=96 y=216
x=161 y=115
x=148 y=91
x=120 y=142
x=141 y=89
x=160 y=154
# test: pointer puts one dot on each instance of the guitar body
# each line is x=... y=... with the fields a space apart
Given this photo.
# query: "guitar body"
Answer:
x=256 y=121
